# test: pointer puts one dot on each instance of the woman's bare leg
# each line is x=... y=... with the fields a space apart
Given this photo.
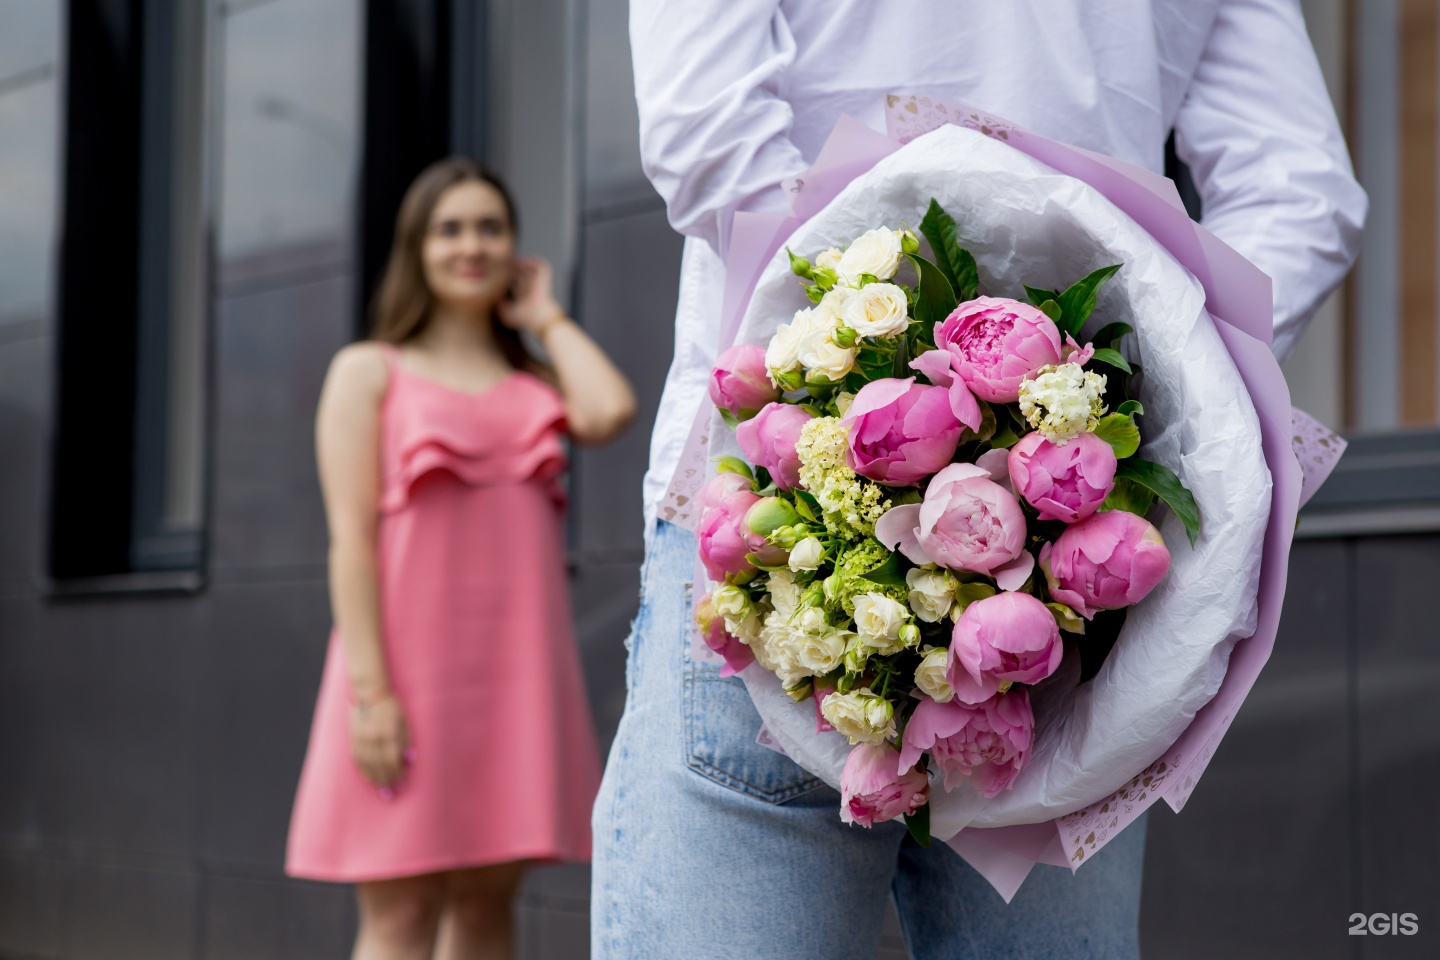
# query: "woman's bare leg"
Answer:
x=478 y=921
x=399 y=919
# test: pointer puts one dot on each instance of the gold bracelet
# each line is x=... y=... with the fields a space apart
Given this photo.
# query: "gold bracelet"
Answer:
x=545 y=327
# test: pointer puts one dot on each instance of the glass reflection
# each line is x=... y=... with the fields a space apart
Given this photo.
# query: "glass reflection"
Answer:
x=27 y=195
x=290 y=100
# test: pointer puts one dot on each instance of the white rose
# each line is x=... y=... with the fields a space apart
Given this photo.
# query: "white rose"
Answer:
x=782 y=353
x=830 y=311
x=731 y=602
x=930 y=675
x=843 y=399
x=932 y=593
x=784 y=594
x=877 y=310
x=829 y=259
x=806 y=555
x=876 y=252
x=877 y=617
x=860 y=715
x=829 y=360
x=812 y=621
x=776 y=650
x=821 y=653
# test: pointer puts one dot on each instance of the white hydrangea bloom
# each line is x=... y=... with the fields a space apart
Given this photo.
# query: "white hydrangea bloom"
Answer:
x=1062 y=401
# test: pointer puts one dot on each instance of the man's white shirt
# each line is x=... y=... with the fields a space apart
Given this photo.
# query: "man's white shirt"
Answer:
x=737 y=95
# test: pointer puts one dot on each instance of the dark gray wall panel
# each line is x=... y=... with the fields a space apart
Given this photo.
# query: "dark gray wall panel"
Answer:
x=1258 y=864
x=24 y=398
x=118 y=913
x=31 y=893
x=629 y=280
x=1399 y=727
x=254 y=919
x=604 y=598
x=272 y=349
x=25 y=736
x=263 y=671
x=118 y=722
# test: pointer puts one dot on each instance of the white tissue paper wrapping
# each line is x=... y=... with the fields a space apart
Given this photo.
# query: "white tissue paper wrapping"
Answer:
x=1024 y=222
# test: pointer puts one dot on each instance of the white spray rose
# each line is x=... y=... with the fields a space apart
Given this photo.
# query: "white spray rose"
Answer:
x=860 y=715
x=879 y=618
x=830 y=311
x=932 y=593
x=806 y=555
x=829 y=259
x=877 y=310
x=731 y=602
x=784 y=594
x=783 y=352
x=876 y=252
x=822 y=653
x=746 y=630
x=930 y=675
x=777 y=649
x=822 y=356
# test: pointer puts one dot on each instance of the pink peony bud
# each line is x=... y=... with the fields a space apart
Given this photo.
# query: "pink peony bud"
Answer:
x=723 y=538
x=1063 y=483
x=1111 y=560
x=969 y=522
x=900 y=431
x=740 y=382
x=994 y=343
x=988 y=742
x=769 y=439
x=736 y=653
x=1010 y=636
x=872 y=792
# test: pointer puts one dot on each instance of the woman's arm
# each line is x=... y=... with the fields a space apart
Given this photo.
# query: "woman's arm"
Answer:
x=598 y=400
x=347 y=441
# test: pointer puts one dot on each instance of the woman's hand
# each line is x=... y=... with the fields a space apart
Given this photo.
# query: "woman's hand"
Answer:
x=379 y=740
x=534 y=305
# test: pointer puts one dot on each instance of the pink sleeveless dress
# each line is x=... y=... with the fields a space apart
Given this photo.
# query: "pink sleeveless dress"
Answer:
x=479 y=642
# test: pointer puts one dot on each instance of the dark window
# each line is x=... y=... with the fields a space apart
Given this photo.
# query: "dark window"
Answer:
x=127 y=482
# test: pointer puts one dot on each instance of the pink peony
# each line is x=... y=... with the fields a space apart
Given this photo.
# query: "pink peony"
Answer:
x=988 y=742
x=969 y=522
x=724 y=540
x=769 y=439
x=736 y=653
x=1063 y=483
x=995 y=343
x=900 y=431
x=1111 y=560
x=1010 y=636
x=740 y=381
x=871 y=791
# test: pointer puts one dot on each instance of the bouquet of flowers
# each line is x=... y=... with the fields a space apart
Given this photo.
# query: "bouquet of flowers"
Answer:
x=939 y=497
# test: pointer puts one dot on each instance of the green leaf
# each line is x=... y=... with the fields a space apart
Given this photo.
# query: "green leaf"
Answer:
x=901 y=369
x=1111 y=334
x=1113 y=358
x=886 y=574
x=988 y=422
x=735 y=465
x=918 y=823
x=1162 y=481
x=807 y=506
x=1078 y=302
x=1039 y=295
x=1067 y=619
x=968 y=593
x=953 y=260
x=1130 y=408
x=730 y=419
x=936 y=297
x=1120 y=432
x=1129 y=496
x=1051 y=309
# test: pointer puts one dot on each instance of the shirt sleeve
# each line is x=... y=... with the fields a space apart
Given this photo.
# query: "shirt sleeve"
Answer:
x=1258 y=131
x=714 y=127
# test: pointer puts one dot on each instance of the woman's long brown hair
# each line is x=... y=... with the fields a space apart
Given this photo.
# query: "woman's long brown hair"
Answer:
x=403 y=302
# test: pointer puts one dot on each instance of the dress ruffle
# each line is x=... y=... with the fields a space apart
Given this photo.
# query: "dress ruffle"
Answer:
x=479 y=450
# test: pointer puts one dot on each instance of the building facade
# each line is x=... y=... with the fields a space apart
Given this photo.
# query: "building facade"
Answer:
x=194 y=198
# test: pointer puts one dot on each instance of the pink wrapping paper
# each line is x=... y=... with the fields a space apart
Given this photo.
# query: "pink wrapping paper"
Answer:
x=1238 y=298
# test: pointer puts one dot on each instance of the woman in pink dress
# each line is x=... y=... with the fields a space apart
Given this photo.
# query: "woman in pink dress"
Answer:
x=452 y=742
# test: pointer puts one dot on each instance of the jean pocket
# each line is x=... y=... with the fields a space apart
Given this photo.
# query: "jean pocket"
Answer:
x=720 y=726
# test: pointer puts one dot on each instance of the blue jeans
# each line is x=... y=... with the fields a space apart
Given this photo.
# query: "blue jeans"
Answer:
x=708 y=845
